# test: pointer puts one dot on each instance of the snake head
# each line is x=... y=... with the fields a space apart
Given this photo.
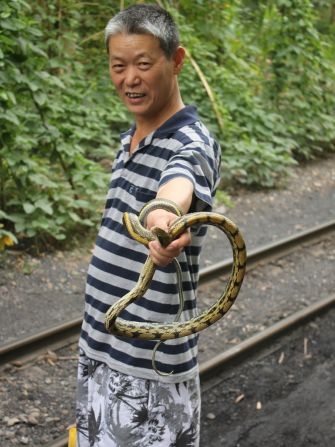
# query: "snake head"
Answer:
x=163 y=237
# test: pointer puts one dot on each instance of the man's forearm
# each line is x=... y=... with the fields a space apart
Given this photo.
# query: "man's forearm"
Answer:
x=179 y=190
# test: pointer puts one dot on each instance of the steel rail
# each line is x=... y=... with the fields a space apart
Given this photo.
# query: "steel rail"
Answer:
x=64 y=334
x=29 y=347
x=250 y=346
x=274 y=249
x=240 y=352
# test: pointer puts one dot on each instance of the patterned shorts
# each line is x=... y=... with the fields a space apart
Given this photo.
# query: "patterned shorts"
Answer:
x=118 y=410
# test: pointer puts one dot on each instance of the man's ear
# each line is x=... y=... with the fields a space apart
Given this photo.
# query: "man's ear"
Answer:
x=178 y=59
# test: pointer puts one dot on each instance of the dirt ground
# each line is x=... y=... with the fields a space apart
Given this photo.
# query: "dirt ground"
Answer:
x=48 y=290
x=285 y=398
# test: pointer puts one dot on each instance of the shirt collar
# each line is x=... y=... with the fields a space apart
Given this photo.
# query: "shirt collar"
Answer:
x=186 y=116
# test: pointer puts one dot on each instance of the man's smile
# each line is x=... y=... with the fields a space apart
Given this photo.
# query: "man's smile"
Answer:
x=135 y=95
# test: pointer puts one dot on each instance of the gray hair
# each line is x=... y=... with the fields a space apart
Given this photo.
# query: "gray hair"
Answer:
x=146 y=19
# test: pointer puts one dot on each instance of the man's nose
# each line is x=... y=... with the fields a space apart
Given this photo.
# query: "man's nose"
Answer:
x=132 y=76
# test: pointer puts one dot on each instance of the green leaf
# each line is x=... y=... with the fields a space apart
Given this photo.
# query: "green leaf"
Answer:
x=28 y=207
x=40 y=98
x=11 y=117
x=44 y=205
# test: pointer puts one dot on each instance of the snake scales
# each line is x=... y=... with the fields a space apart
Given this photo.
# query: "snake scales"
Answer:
x=176 y=329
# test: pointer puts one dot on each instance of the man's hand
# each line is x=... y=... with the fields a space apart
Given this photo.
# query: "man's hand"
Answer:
x=179 y=190
x=163 y=256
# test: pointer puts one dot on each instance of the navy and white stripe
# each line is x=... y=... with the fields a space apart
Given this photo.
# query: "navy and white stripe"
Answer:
x=181 y=147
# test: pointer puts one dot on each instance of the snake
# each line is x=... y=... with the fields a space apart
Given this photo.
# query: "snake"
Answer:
x=135 y=225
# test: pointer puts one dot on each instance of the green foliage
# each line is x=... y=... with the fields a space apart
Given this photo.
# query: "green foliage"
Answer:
x=273 y=79
x=260 y=73
x=300 y=76
x=53 y=130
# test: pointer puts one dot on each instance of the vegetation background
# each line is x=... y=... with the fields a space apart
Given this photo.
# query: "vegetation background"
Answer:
x=262 y=74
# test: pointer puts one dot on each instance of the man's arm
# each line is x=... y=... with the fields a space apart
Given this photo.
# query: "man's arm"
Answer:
x=179 y=190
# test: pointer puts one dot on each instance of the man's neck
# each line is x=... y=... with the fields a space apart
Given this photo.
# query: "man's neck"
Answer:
x=145 y=126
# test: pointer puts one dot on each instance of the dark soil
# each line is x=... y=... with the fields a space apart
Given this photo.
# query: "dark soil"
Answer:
x=282 y=399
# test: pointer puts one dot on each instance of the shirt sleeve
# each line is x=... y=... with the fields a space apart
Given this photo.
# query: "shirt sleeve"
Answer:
x=200 y=163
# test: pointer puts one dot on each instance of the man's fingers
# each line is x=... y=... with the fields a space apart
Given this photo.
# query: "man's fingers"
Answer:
x=164 y=256
x=159 y=255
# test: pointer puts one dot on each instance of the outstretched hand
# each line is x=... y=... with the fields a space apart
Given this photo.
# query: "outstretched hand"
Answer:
x=163 y=256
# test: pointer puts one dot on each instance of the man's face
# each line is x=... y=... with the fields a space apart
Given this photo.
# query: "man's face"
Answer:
x=143 y=76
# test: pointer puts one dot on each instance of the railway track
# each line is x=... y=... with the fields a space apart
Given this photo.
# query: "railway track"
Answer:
x=28 y=348
x=53 y=338
x=251 y=346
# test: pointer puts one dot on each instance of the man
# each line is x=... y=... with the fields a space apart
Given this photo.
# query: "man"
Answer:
x=168 y=153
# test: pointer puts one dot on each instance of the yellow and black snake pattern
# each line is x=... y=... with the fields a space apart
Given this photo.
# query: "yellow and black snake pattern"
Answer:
x=176 y=329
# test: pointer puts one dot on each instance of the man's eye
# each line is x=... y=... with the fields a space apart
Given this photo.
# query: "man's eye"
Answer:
x=144 y=65
x=117 y=67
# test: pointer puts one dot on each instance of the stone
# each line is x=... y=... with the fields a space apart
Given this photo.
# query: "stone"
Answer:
x=12 y=421
x=210 y=416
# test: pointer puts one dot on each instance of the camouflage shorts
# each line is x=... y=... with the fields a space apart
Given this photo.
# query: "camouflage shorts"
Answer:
x=118 y=410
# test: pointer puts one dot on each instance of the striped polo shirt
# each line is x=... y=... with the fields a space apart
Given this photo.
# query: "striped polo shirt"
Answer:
x=181 y=147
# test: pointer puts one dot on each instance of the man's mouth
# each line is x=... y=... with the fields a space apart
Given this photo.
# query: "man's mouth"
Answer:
x=135 y=95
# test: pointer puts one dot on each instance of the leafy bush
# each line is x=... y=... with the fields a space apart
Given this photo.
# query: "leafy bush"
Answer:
x=301 y=76
x=51 y=182
x=260 y=73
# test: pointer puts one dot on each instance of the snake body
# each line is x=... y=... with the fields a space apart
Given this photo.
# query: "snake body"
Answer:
x=176 y=329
